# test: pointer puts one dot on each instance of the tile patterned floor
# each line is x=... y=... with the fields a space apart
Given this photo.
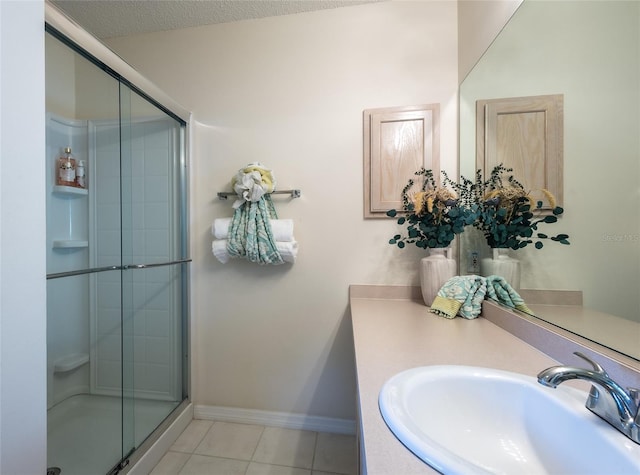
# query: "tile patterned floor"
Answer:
x=225 y=448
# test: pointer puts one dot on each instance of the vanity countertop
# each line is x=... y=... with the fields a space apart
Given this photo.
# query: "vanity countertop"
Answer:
x=393 y=330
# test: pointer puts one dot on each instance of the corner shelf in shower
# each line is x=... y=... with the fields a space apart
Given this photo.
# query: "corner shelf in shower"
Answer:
x=70 y=362
x=69 y=244
x=70 y=190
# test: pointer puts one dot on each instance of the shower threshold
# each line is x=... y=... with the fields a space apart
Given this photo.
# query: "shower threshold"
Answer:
x=84 y=433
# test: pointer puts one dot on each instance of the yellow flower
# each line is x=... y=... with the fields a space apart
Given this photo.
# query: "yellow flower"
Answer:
x=550 y=197
x=418 y=202
x=430 y=204
x=491 y=194
x=424 y=202
x=444 y=194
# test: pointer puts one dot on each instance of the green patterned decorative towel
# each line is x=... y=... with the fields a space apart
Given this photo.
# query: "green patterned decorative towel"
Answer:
x=460 y=295
x=463 y=295
x=500 y=290
x=250 y=234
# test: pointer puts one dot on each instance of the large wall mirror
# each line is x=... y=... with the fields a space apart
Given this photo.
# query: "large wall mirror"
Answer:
x=589 y=52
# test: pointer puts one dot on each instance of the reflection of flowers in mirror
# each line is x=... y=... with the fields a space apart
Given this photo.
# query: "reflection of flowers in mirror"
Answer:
x=504 y=210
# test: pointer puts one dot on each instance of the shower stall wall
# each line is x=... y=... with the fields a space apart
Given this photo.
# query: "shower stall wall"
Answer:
x=117 y=264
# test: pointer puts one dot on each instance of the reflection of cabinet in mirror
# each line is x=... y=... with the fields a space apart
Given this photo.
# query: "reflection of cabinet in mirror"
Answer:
x=526 y=134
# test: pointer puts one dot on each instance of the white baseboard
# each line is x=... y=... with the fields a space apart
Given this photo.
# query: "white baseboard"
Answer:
x=275 y=419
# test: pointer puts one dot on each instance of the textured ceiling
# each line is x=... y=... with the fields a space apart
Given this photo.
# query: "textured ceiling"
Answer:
x=111 y=18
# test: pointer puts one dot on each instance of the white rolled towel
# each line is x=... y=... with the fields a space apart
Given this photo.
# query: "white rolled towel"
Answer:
x=220 y=228
x=219 y=249
x=288 y=250
x=282 y=229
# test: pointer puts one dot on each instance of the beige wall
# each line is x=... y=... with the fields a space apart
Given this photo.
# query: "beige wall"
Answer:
x=289 y=92
x=479 y=22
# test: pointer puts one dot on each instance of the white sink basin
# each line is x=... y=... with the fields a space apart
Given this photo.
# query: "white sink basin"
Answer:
x=467 y=420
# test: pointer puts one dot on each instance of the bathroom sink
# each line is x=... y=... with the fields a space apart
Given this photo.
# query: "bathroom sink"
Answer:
x=468 y=420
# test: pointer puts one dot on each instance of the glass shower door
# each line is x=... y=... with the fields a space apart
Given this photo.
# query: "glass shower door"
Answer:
x=116 y=265
x=154 y=265
x=84 y=423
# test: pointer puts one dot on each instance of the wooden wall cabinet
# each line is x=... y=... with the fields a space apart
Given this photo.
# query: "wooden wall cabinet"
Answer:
x=398 y=141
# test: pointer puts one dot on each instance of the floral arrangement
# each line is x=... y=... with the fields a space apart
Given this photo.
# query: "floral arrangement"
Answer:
x=504 y=211
x=432 y=215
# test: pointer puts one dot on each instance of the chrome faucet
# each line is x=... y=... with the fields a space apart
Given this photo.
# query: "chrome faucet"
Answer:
x=607 y=399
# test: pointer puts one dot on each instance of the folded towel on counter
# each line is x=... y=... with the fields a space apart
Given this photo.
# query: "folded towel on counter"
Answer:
x=288 y=250
x=500 y=290
x=463 y=295
x=460 y=295
x=282 y=229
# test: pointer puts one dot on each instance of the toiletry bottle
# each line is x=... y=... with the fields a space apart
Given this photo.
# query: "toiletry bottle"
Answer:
x=66 y=169
x=81 y=179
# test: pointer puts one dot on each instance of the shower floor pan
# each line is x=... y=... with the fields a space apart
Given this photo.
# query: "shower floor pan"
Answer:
x=84 y=432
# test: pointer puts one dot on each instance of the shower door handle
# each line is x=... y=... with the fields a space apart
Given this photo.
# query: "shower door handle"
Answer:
x=92 y=270
x=95 y=270
x=160 y=264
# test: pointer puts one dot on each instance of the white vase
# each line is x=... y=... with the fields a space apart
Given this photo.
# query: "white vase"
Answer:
x=503 y=265
x=435 y=270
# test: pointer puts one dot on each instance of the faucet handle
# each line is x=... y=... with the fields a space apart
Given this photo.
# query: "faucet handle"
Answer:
x=596 y=367
x=635 y=395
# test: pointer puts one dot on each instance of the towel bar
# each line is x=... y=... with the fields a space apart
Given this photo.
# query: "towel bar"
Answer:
x=223 y=195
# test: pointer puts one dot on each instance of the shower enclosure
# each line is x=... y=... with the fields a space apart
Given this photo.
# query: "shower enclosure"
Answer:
x=117 y=263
